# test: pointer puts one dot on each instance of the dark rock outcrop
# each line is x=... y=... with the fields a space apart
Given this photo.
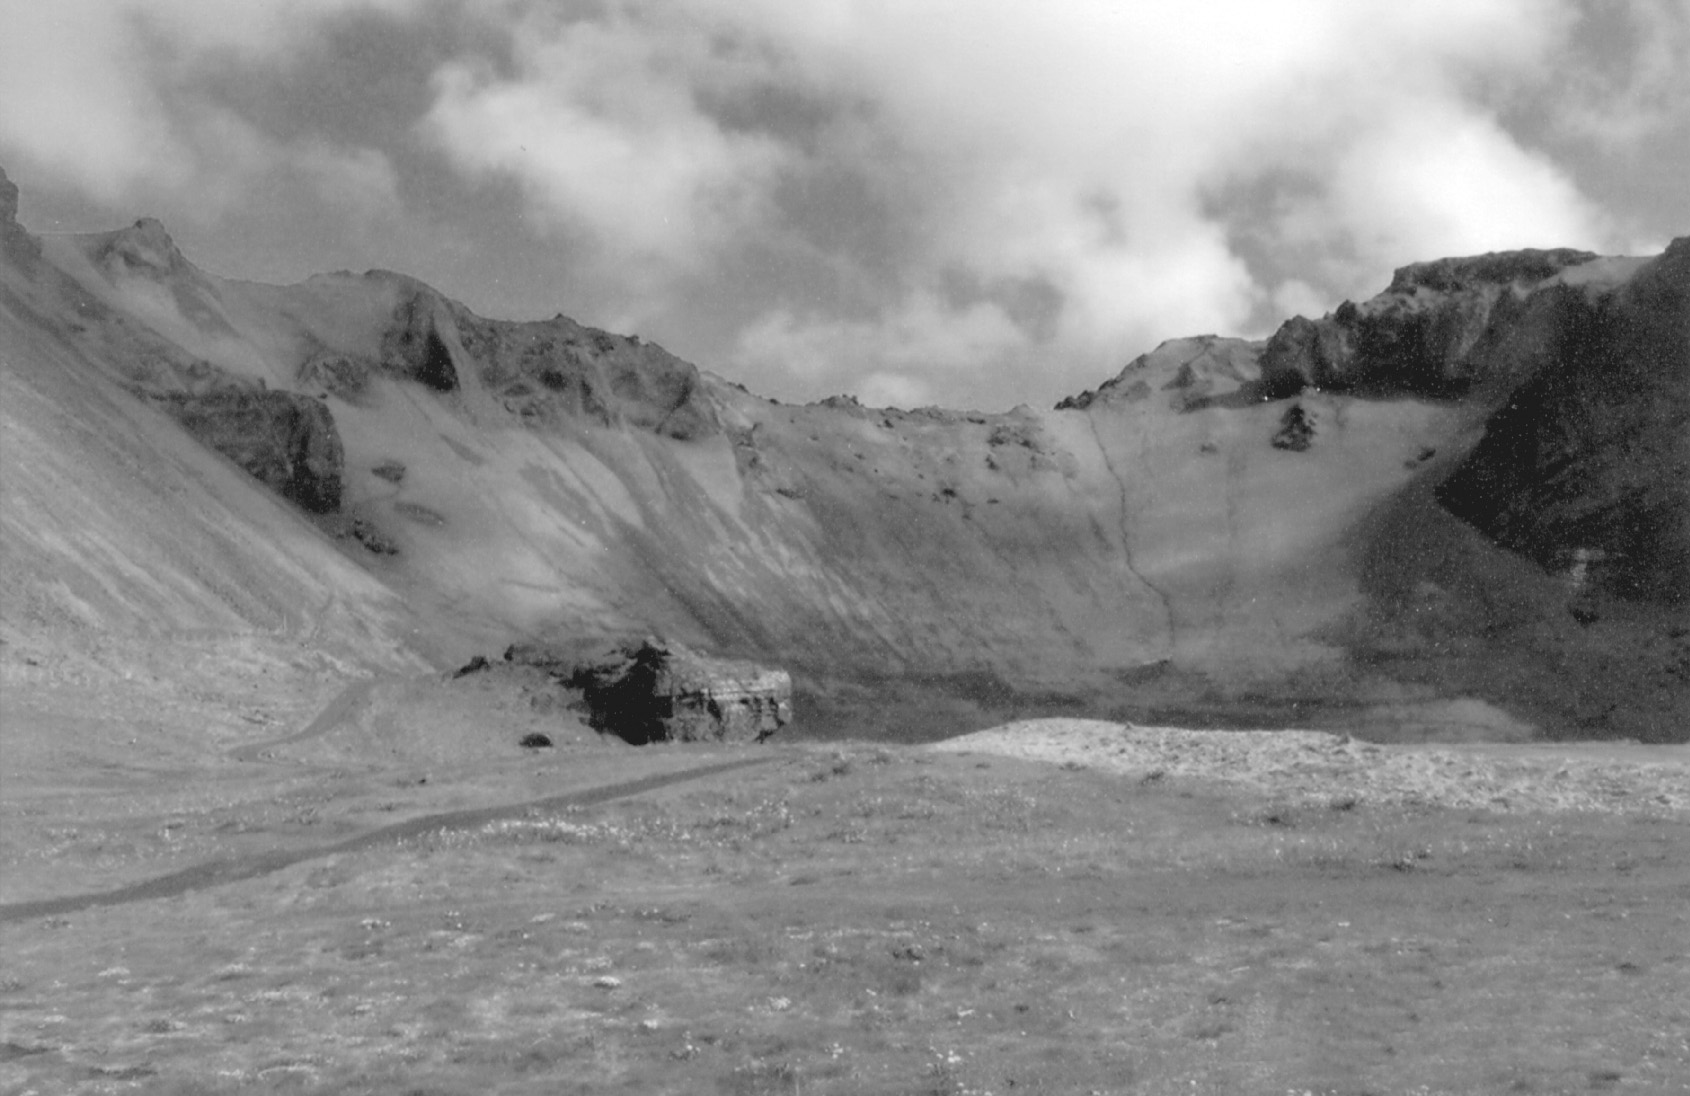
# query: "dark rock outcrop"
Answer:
x=1455 y=275
x=547 y=372
x=287 y=441
x=655 y=691
x=15 y=243
x=412 y=346
x=1588 y=463
x=1435 y=332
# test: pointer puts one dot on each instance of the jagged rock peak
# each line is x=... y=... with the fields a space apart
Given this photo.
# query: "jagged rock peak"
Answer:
x=146 y=244
x=1526 y=266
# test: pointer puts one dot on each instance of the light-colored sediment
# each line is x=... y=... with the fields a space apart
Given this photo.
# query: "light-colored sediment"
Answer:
x=1313 y=766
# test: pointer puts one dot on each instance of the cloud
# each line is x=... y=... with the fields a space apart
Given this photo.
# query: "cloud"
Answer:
x=100 y=94
x=360 y=180
x=1634 y=81
x=1083 y=147
x=73 y=100
x=897 y=358
x=600 y=127
x=985 y=202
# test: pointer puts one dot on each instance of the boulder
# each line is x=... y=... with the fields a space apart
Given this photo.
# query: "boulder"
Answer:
x=655 y=691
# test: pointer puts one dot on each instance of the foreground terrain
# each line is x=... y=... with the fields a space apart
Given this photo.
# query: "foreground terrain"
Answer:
x=254 y=837
x=410 y=902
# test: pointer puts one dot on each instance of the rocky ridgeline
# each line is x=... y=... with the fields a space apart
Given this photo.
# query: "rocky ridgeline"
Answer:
x=1440 y=329
x=545 y=373
x=285 y=440
x=549 y=371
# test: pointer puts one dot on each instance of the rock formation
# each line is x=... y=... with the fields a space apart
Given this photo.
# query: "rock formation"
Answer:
x=411 y=346
x=287 y=441
x=549 y=372
x=1436 y=331
x=1588 y=462
x=655 y=691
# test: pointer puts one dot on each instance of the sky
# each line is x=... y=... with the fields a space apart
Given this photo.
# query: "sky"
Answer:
x=972 y=204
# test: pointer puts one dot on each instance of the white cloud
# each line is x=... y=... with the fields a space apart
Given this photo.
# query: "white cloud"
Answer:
x=1077 y=145
x=894 y=390
x=855 y=195
x=601 y=127
x=1439 y=182
x=90 y=91
x=73 y=99
x=900 y=358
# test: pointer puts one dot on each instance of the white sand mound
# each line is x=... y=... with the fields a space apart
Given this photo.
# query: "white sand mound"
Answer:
x=1319 y=767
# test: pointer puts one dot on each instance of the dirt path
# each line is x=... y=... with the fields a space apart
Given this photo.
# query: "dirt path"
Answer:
x=218 y=872
x=332 y=715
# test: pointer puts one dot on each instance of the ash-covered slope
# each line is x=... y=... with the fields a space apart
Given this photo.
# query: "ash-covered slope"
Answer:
x=1178 y=542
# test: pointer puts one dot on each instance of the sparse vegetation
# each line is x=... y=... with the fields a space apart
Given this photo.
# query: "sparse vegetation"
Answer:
x=868 y=919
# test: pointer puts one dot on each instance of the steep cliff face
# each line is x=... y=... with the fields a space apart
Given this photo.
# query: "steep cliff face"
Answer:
x=1587 y=465
x=286 y=441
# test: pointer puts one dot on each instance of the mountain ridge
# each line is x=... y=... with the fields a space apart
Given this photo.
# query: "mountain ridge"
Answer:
x=1141 y=548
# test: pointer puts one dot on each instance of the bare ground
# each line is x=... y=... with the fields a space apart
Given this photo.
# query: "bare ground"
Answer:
x=1121 y=910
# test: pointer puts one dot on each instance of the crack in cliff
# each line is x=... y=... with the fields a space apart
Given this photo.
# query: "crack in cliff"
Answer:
x=1127 y=544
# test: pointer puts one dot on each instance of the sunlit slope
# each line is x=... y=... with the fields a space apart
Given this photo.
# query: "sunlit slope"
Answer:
x=117 y=525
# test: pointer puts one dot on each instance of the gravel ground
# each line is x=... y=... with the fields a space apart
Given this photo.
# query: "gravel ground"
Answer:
x=1320 y=767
